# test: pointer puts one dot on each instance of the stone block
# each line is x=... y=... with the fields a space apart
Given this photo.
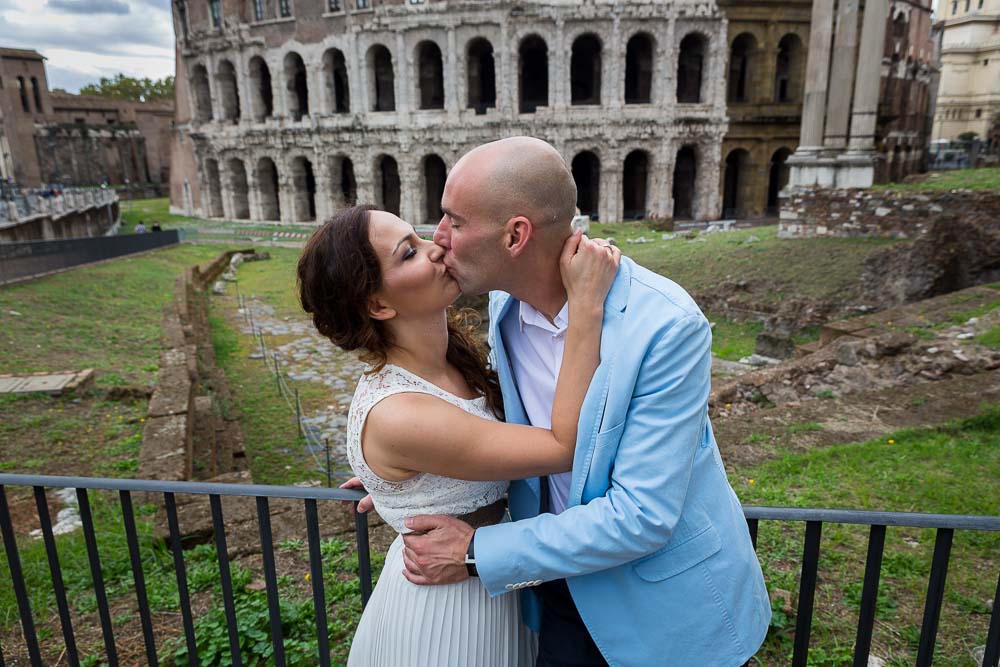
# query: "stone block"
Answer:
x=172 y=395
x=165 y=451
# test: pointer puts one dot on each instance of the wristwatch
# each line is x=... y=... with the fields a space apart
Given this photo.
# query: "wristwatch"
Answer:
x=470 y=557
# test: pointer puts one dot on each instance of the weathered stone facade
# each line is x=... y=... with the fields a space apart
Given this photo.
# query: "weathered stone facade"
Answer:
x=768 y=43
x=868 y=97
x=283 y=117
x=56 y=137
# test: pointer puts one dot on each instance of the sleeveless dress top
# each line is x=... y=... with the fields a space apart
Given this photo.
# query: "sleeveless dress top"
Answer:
x=405 y=625
x=424 y=493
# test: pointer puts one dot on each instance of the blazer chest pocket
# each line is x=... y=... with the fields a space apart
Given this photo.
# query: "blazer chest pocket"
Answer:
x=675 y=558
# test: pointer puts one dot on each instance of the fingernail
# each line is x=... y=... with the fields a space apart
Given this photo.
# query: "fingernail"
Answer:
x=408 y=523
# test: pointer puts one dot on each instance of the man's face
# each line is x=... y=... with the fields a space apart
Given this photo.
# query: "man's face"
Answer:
x=472 y=242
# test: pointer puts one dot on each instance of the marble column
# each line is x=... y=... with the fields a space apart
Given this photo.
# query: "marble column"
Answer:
x=817 y=77
x=869 y=77
x=842 y=75
x=454 y=75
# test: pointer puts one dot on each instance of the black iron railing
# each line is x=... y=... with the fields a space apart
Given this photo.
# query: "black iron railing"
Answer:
x=945 y=524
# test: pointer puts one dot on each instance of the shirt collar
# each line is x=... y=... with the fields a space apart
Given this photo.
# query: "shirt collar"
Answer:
x=528 y=315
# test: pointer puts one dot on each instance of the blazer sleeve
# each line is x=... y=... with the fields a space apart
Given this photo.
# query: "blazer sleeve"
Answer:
x=663 y=428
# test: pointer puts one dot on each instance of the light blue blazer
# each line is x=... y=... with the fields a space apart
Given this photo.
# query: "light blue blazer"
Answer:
x=654 y=545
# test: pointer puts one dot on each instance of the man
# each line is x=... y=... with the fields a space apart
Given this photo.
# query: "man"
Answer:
x=641 y=555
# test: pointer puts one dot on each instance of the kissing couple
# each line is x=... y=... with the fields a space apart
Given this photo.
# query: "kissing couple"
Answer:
x=559 y=496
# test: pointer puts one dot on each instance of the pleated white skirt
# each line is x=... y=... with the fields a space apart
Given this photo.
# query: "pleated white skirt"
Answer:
x=459 y=625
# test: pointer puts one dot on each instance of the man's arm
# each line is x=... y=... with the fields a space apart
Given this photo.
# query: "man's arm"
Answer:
x=662 y=431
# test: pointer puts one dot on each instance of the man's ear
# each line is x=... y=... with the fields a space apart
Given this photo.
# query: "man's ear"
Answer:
x=517 y=233
x=380 y=310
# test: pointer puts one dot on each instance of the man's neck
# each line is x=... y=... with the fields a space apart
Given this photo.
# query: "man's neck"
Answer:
x=544 y=292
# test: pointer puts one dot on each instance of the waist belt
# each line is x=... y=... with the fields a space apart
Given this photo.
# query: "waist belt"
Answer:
x=488 y=515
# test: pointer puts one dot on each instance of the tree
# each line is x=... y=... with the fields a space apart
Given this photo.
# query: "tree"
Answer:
x=122 y=87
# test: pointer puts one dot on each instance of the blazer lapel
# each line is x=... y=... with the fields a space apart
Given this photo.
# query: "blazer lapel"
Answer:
x=513 y=406
x=592 y=413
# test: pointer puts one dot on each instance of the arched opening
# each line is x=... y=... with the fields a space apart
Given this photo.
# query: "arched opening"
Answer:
x=269 y=189
x=229 y=94
x=690 y=63
x=586 y=169
x=22 y=89
x=343 y=185
x=335 y=75
x=430 y=75
x=788 y=80
x=685 y=175
x=239 y=188
x=202 y=96
x=740 y=60
x=639 y=70
x=387 y=188
x=260 y=85
x=735 y=184
x=304 y=189
x=777 y=178
x=533 y=74
x=36 y=91
x=635 y=183
x=482 y=76
x=296 y=86
x=382 y=89
x=585 y=70
x=435 y=173
x=214 y=189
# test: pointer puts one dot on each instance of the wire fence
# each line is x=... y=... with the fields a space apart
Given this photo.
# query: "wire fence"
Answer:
x=317 y=445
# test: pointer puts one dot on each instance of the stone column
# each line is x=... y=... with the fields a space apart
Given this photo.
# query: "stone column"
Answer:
x=324 y=198
x=357 y=84
x=559 y=61
x=505 y=59
x=613 y=70
x=869 y=77
x=817 y=77
x=845 y=47
x=452 y=103
x=708 y=200
x=253 y=191
x=401 y=71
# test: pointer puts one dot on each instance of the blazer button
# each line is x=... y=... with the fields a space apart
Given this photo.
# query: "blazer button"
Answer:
x=510 y=587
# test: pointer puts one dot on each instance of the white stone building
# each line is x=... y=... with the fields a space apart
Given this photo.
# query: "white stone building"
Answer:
x=289 y=110
x=969 y=95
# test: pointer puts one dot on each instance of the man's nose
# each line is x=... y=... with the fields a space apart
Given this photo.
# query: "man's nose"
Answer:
x=441 y=234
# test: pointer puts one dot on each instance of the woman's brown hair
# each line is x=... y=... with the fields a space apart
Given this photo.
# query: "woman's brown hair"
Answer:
x=337 y=274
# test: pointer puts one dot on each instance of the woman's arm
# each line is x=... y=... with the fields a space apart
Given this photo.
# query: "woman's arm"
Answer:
x=409 y=433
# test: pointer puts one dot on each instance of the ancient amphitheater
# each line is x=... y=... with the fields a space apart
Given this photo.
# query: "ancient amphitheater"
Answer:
x=289 y=112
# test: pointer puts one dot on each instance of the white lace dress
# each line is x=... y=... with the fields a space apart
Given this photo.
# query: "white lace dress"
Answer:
x=429 y=626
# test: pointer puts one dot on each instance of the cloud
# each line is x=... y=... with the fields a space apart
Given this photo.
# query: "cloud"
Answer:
x=80 y=50
x=89 y=6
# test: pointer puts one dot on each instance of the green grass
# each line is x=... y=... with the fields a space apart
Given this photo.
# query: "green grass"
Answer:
x=733 y=340
x=107 y=316
x=937 y=181
x=821 y=268
x=991 y=338
x=952 y=469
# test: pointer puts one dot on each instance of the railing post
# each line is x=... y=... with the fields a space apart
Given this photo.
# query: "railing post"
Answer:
x=270 y=579
x=87 y=518
x=992 y=654
x=45 y=520
x=869 y=596
x=807 y=591
x=935 y=596
x=222 y=552
x=364 y=555
x=20 y=592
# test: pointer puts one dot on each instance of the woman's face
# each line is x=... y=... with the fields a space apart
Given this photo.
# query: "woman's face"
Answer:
x=414 y=278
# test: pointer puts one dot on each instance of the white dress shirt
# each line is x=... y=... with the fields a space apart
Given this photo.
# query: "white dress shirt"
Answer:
x=535 y=349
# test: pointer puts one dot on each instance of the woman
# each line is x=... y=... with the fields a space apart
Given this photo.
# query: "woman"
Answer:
x=424 y=430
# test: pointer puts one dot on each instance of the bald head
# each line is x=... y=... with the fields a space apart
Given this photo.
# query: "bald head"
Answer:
x=519 y=176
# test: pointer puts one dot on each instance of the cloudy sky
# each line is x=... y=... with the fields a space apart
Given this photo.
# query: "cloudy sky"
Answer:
x=84 y=40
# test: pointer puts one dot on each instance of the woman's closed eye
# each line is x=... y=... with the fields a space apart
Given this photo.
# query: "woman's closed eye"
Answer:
x=410 y=252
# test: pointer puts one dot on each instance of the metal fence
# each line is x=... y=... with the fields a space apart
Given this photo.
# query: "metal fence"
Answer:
x=814 y=519
x=28 y=259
